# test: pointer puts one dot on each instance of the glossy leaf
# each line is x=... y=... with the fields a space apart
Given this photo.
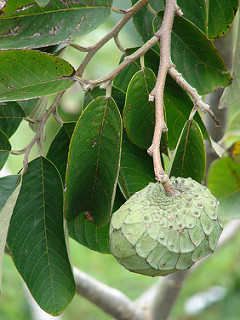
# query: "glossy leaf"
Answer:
x=28 y=105
x=136 y=168
x=138 y=113
x=224 y=182
x=195 y=56
x=36 y=238
x=58 y=150
x=5 y=148
x=178 y=104
x=190 y=157
x=117 y=94
x=88 y=234
x=9 y=190
x=11 y=115
x=212 y=17
x=27 y=25
x=144 y=17
x=35 y=74
x=221 y=15
x=93 y=162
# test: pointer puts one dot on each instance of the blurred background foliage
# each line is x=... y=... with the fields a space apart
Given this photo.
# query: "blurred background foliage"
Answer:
x=212 y=291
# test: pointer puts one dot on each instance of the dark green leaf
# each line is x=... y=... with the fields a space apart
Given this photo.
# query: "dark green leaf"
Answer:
x=221 y=15
x=11 y=115
x=177 y=102
x=223 y=180
x=9 y=190
x=190 y=157
x=27 y=25
x=88 y=234
x=144 y=17
x=117 y=94
x=26 y=74
x=36 y=238
x=5 y=148
x=93 y=162
x=138 y=113
x=58 y=150
x=136 y=168
x=178 y=106
x=212 y=17
x=195 y=56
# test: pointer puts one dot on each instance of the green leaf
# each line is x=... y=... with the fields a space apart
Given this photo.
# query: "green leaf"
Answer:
x=224 y=177
x=11 y=115
x=9 y=190
x=221 y=15
x=27 y=25
x=5 y=148
x=144 y=17
x=212 y=17
x=42 y=3
x=178 y=104
x=27 y=74
x=195 y=56
x=223 y=180
x=58 y=150
x=138 y=113
x=36 y=238
x=117 y=94
x=190 y=156
x=93 y=162
x=88 y=234
x=136 y=168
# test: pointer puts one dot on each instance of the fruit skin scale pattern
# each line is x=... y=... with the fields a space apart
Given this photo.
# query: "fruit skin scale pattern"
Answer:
x=155 y=235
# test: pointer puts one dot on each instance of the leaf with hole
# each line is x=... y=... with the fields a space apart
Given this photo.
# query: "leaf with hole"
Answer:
x=11 y=115
x=36 y=237
x=93 y=161
x=27 y=25
x=190 y=157
x=35 y=74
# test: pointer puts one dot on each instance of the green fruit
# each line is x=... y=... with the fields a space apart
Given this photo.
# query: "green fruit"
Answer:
x=155 y=235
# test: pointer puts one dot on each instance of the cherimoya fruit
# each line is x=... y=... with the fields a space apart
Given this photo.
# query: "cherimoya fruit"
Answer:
x=155 y=235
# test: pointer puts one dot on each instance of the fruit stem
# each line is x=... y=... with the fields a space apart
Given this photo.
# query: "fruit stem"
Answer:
x=164 y=34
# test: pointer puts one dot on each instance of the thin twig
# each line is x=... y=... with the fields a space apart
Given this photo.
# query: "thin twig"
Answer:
x=118 y=44
x=91 y=84
x=197 y=99
x=111 y=34
x=164 y=34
